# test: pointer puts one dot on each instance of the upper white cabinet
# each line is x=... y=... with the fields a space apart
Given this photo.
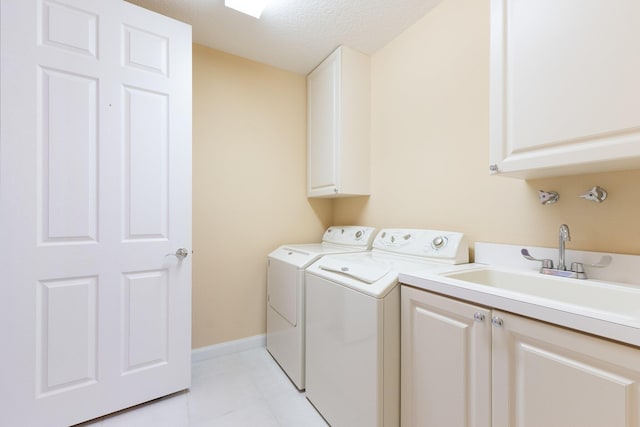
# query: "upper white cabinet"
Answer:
x=338 y=125
x=565 y=87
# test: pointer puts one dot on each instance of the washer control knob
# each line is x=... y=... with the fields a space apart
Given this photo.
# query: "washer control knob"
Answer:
x=439 y=242
x=359 y=234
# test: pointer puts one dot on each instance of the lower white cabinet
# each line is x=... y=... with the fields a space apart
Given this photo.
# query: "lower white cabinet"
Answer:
x=465 y=365
x=445 y=362
x=544 y=375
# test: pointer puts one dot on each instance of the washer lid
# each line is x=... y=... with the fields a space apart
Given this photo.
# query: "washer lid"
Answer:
x=364 y=273
x=374 y=273
x=301 y=256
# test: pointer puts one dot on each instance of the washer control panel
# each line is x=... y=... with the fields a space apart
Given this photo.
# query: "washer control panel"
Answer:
x=349 y=235
x=436 y=245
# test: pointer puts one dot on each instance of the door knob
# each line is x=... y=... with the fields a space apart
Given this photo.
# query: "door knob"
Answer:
x=180 y=254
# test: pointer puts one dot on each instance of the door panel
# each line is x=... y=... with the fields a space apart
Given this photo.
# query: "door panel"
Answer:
x=147 y=164
x=68 y=147
x=68 y=27
x=66 y=334
x=145 y=320
x=146 y=51
x=95 y=191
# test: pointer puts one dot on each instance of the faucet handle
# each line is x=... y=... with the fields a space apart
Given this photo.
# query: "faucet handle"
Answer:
x=577 y=267
x=546 y=263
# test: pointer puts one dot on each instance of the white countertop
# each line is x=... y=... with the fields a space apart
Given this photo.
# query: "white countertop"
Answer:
x=624 y=327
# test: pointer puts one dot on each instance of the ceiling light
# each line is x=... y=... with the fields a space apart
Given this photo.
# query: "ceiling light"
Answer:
x=250 y=7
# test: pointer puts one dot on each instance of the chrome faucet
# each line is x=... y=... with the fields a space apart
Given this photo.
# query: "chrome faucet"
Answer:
x=577 y=268
x=563 y=237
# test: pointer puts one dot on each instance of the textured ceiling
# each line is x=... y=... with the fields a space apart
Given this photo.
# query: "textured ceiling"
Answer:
x=295 y=35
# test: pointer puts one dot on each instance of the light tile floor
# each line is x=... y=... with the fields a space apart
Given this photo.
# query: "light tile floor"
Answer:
x=242 y=389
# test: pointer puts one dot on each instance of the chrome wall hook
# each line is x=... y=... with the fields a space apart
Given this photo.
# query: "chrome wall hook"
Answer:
x=548 y=197
x=596 y=194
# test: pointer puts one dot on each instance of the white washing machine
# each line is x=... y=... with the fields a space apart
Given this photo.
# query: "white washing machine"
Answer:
x=353 y=324
x=286 y=293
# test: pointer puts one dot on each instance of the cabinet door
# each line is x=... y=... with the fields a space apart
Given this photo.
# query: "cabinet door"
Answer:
x=322 y=127
x=338 y=112
x=565 y=86
x=446 y=362
x=545 y=376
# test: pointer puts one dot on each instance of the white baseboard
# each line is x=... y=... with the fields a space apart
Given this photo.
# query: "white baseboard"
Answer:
x=229 y=347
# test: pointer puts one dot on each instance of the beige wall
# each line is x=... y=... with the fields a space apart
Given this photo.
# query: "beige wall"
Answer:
x=430 y=150
x=430 y=157
x=249 y=148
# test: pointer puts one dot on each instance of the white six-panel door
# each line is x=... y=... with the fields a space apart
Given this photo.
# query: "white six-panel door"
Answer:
x=95 y=191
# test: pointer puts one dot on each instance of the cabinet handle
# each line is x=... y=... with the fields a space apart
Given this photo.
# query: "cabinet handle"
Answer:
x=478 y=317
x=496 y=321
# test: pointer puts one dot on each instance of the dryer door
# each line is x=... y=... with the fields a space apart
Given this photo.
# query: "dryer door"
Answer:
x=284 y=282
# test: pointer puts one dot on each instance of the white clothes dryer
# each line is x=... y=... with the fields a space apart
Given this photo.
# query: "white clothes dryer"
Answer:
x=286 y=293
x=353 y=324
